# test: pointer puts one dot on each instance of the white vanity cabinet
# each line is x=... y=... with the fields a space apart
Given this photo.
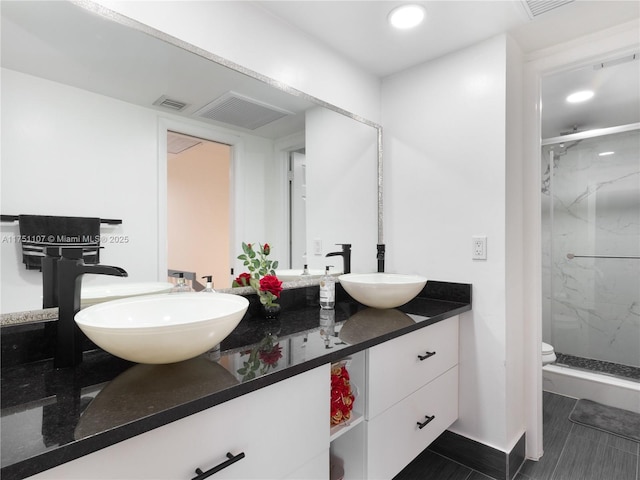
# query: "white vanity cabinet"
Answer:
x=412 y=396
x=409 y=391
x=281 y=429
x=407 y=395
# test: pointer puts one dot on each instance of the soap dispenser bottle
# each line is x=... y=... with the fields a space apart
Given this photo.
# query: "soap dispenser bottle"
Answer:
x=327 y=290
x=181 y=285
x=209 y=287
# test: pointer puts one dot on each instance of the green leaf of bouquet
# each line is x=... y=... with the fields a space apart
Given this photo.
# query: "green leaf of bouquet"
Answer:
x=274 y=265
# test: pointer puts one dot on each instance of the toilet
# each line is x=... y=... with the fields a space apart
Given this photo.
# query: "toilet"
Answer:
x=548 y=355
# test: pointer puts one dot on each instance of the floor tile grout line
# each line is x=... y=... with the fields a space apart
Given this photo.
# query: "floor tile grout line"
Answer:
x=562 y=452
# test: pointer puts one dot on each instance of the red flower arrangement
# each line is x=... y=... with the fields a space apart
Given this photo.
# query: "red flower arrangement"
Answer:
x=342 y=396
x=262 y=273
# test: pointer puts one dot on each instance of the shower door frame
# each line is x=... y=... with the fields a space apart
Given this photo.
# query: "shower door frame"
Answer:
x=563 y=139
x=621 y=40
x=596 y=132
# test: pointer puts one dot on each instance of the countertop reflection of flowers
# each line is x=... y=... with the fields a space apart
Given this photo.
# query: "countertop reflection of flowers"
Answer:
x=262 y=273
x=262 y=358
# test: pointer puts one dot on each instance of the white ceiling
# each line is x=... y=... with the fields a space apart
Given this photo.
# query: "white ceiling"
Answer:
x=359 y=29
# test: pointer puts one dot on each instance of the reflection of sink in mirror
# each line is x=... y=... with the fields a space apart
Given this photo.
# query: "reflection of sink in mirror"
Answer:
x=382 y=290
x=164 y=328
x=90 y=295
x=296 y=274
x=373 y=322
x=145 y=389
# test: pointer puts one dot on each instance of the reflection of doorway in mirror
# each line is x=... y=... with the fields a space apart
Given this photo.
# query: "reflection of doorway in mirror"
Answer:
x=198 y=209
x=298 y=209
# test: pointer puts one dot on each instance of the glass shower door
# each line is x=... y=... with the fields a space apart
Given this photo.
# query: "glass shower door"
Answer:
x=591 y=224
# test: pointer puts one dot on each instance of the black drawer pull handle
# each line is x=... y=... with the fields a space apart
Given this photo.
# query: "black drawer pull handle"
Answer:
x=428 y=354
x=424 y=424
x=217 y=468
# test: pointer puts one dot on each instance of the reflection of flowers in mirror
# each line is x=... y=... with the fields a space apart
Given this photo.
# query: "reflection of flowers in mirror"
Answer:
x=262 y=273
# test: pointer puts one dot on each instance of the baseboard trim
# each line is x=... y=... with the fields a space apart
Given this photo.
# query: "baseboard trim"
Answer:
x=481 y=457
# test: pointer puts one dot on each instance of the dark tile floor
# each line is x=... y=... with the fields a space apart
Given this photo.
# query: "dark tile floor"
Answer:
x=571 y=452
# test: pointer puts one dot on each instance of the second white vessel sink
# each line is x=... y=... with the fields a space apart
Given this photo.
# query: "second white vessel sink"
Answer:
x=164 y=328
x=382 y=290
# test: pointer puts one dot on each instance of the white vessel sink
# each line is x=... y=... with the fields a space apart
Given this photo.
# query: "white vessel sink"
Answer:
x=296 y=274
x=90 y=295
x=382 y=290
x=164 y=328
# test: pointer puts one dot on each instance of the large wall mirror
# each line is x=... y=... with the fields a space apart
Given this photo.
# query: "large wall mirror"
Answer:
x=103 y=117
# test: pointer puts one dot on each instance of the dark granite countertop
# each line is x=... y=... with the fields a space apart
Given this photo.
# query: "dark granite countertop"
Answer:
x=53 y=416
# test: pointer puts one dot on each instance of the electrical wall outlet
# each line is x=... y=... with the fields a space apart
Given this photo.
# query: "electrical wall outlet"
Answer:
x=479 y=247
x=317 y=246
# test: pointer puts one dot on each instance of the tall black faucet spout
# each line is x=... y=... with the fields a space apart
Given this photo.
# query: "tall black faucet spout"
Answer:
x=380 y=257
x=346 y=256
x=71 y=268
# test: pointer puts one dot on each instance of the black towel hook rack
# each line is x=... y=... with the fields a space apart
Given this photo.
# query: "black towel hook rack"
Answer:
x=15 y=218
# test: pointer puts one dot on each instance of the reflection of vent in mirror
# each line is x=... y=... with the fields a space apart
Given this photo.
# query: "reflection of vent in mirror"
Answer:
x=165 y=102
x=177 y=143
x=235 y=109
x=538 y=7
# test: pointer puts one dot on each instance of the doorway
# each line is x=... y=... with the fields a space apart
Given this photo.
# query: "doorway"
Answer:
x=198 y=208
x=297 y=209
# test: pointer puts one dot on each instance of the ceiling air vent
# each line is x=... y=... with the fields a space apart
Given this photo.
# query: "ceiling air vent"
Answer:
x=241 y=111
x=171 y=104
x=538 y=7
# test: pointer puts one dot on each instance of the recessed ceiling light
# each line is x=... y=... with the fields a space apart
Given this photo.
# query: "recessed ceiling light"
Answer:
x=407 y=16
x=604 y=154
x=580 y=96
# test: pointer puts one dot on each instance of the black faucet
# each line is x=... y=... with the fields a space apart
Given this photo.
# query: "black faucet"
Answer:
x=346 y=256
x=50 y=277
x=380 y=257
x=71 y=268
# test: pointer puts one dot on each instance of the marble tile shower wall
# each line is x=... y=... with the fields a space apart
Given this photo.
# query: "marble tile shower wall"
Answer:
x=591 y=206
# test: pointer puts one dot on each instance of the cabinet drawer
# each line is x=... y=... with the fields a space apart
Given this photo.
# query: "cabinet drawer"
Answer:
x=315 y=469
x=396 y=369
x=395 y=438
x=265 y=425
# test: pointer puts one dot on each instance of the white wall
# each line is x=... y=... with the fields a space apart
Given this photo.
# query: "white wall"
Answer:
x=64 y=154
x=244 y=33
x=515 y=319
x=446 y=179
x=341 y=157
